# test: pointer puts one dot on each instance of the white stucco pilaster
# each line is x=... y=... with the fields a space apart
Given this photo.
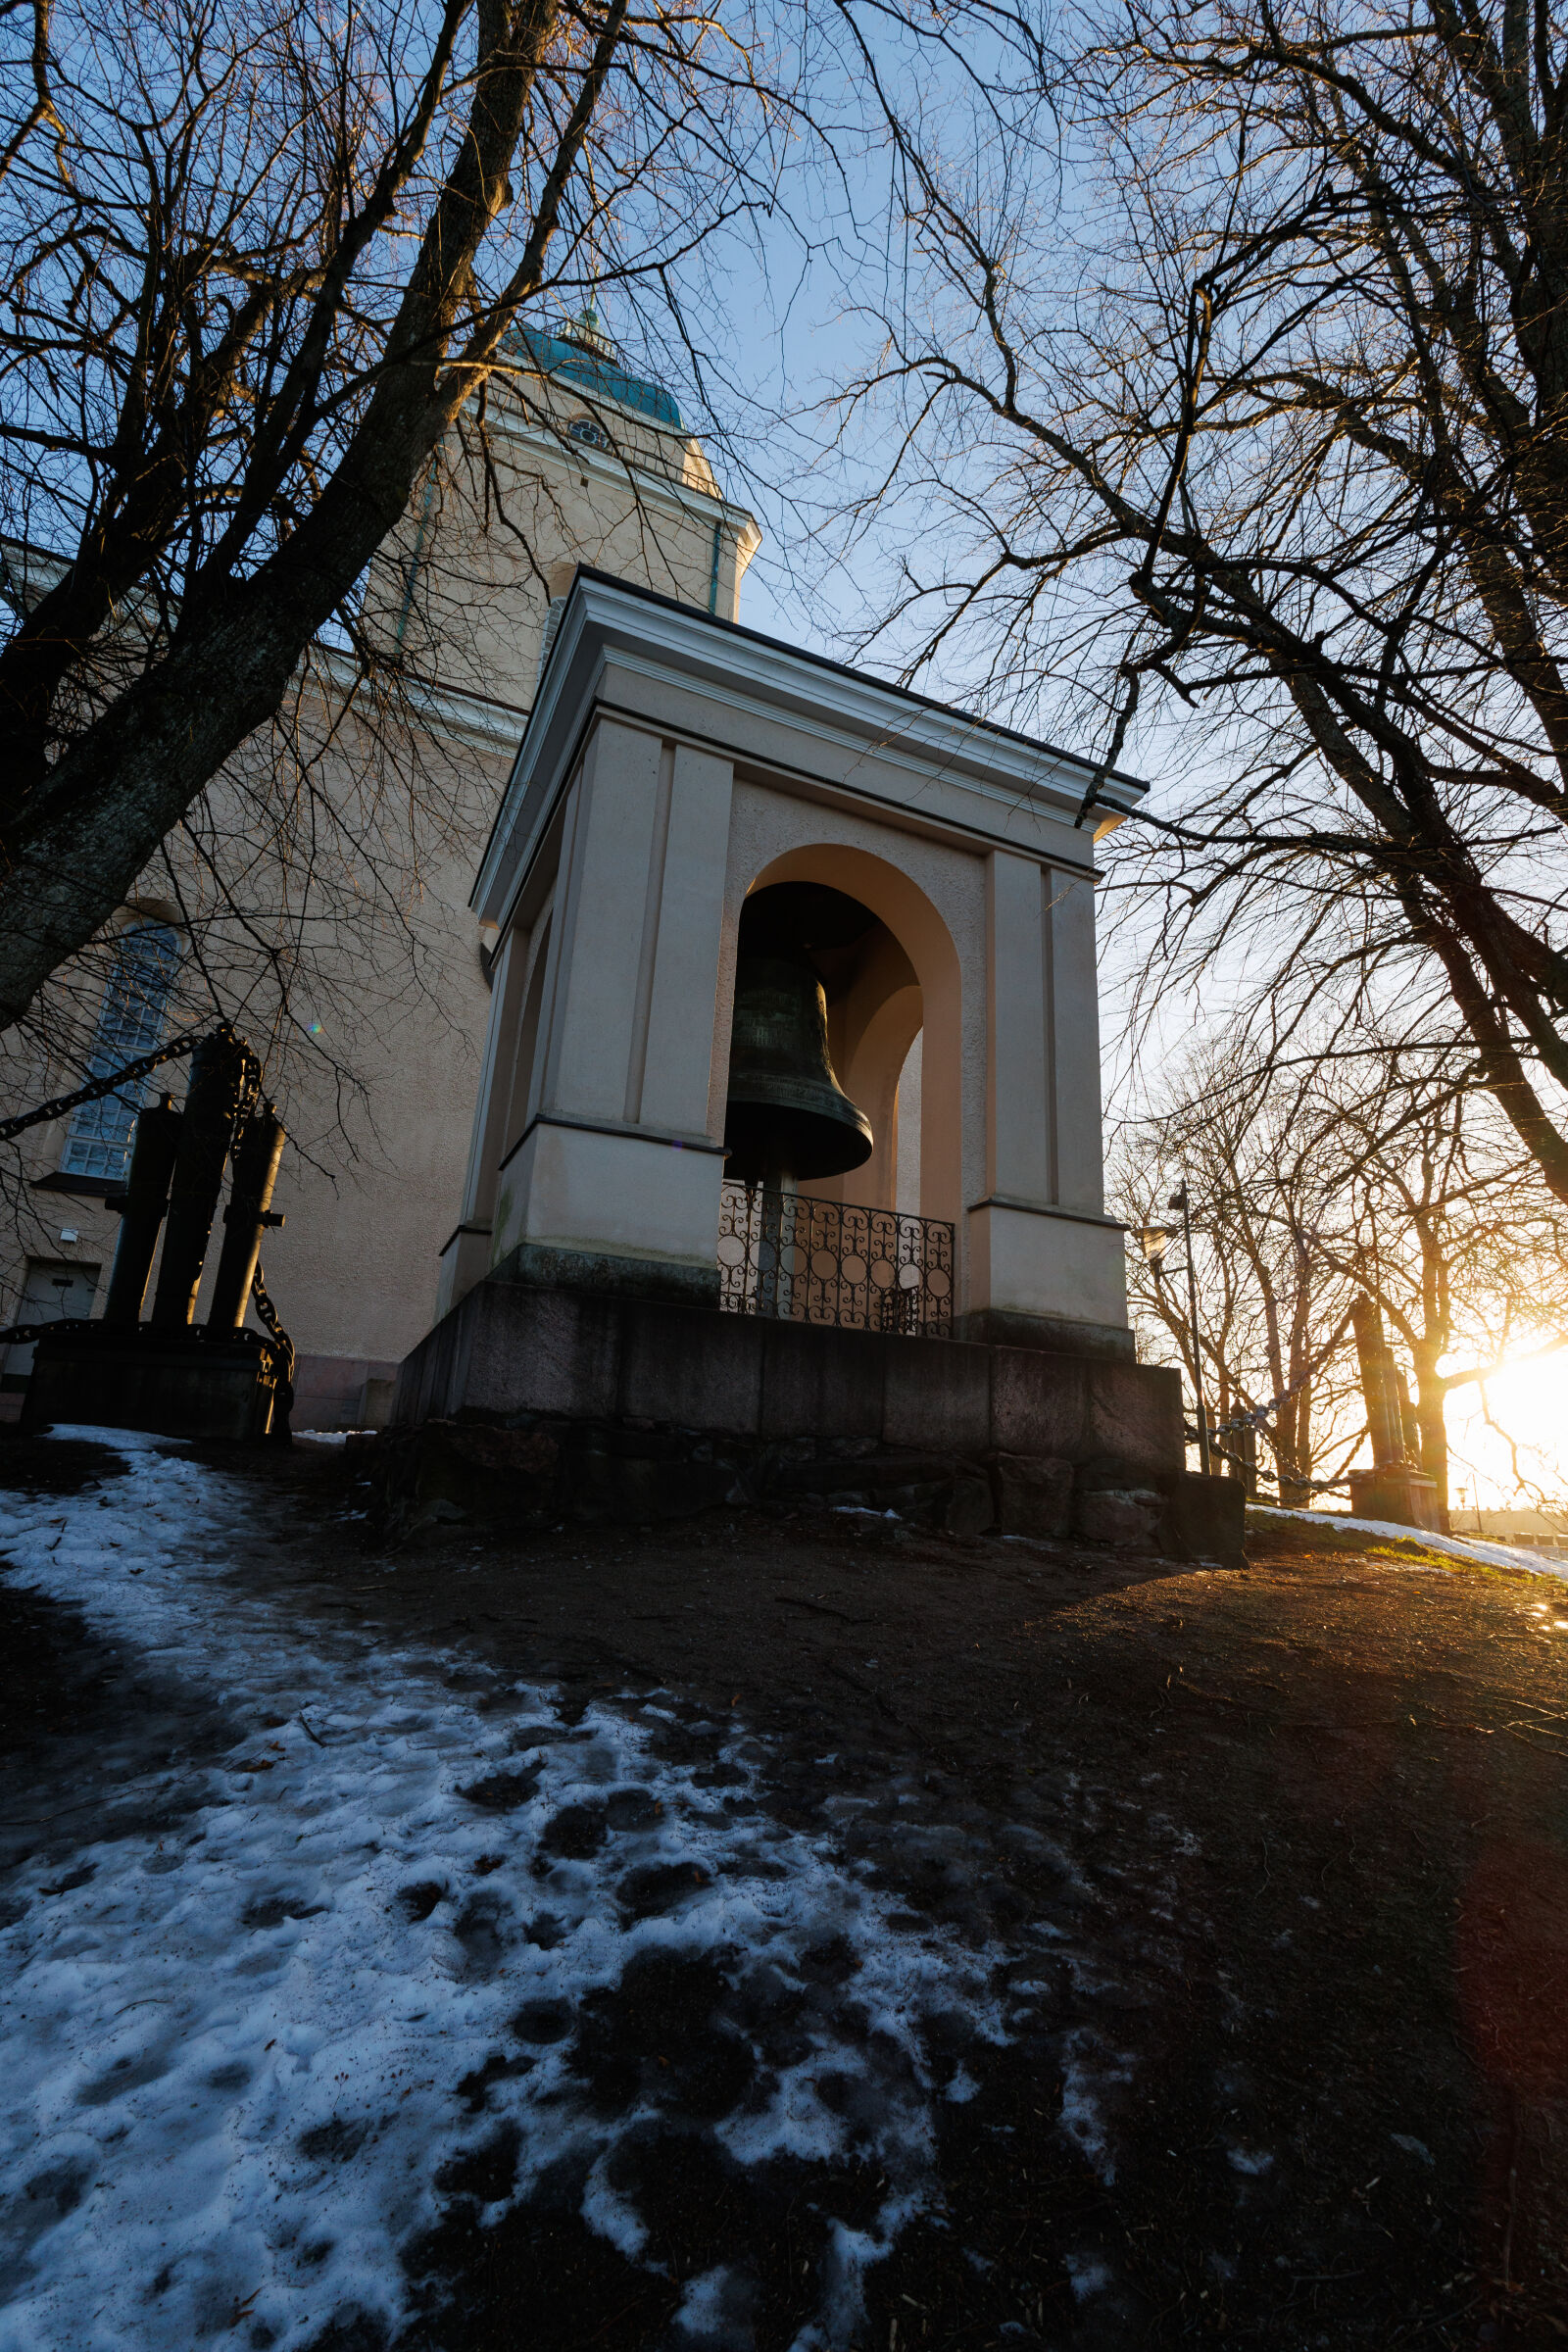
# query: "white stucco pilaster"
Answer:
x=672 y=765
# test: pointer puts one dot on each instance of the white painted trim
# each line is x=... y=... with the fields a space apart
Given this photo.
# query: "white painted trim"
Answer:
x=431 y=707
x=681 y=498
x=841 y=737
x=436 y=708
x=745 y=672
x=1048 y=1209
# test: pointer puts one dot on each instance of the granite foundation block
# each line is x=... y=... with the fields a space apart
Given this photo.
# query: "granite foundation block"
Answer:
x=510 y=1349
x=532 y=1404
x=1033 y=1493
x=807 y=1390
x=717 y=1385
x=541 y=1470
x=1205 y=1519
x=1395 y=1493
x=178 y=1383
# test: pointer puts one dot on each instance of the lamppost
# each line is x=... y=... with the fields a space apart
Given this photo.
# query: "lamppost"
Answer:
x=1155 y=1238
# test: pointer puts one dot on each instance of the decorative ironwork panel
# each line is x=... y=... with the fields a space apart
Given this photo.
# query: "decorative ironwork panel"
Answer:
x=817 y=1261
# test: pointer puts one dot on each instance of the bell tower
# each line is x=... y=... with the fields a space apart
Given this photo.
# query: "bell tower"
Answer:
x=732 y=883
x=575 y=458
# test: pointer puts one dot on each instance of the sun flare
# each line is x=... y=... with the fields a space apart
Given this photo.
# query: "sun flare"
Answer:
x=1529 y=1406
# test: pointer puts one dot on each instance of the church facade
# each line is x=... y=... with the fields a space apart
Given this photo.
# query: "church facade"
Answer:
x=591 y=464
x=651 y=817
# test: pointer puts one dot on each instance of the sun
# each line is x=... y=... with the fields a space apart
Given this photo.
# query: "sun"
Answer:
x=1529 y=1403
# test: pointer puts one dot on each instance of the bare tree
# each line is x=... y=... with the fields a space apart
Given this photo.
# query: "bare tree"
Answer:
x=259 y=263
x=1347 y=1179
x=1257 y=1156
x=1448 y=1231
x=1243 y=386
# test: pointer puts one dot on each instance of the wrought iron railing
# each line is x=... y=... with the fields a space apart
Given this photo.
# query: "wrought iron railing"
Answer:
x=817 y=1261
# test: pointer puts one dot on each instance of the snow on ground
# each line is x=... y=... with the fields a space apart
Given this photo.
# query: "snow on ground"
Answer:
x=1458 y=1547
x=237 y=2056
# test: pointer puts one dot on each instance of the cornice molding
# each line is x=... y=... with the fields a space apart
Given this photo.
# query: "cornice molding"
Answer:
x=438 y=709
x=682 y=498
x=606 y=621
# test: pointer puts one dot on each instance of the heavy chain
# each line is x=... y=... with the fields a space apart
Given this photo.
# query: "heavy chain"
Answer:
x=141 y=1067
x=178 y=1047
x=1265 y=1412
x=284 y=1345
x=1298 y=1485
x=250 y=1077
x=1259 y=1413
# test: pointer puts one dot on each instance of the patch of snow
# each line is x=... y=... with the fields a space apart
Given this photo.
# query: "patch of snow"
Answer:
x=1087 y=2071
x=1089 y=2276
x=1253 y=2161
x=713 y=2310
x=237 y=2052
x=1459 y=1548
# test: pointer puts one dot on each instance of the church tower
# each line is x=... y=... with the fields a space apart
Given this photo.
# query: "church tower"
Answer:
x=569 y=457
x=573 y=460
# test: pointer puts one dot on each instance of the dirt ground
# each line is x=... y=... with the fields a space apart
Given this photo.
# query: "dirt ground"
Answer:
x=1282 y=1853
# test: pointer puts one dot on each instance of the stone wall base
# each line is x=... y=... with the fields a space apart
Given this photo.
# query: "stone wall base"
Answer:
x=535 y=1404
x=543 y=1470
x=343 y=1391
x=513 y=1347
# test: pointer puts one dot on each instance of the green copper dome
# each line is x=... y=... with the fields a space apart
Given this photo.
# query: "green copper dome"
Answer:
x=579 y=352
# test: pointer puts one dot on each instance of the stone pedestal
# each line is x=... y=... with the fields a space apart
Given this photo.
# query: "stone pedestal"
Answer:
x=1397 y=1494
x=516 y=1348
x=532 y=1403
x=175 y=1384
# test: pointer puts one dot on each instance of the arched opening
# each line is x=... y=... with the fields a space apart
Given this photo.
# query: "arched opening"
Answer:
x=834 y=1210
x=906 y=1110
x=901 y=982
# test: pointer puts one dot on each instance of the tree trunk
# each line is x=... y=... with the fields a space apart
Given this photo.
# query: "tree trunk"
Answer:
x=1293 y=1450
x=120 y=787
x=1430 y=1401
x=1379 y=1385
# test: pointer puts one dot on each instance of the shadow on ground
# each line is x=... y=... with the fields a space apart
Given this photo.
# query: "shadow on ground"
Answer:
x=1277 y=1862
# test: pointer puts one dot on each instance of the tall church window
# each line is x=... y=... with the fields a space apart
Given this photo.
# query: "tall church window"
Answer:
x=130 y=1022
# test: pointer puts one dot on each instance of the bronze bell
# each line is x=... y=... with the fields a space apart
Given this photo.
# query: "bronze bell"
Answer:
x=787 y=1115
